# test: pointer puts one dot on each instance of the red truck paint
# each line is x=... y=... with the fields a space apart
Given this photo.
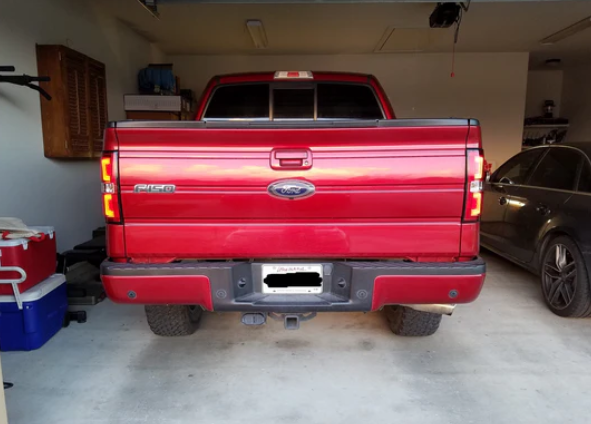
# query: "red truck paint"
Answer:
x=191 y=289
x=116 y=239
x=420 y=289
x=215 y=182
x=386 y=191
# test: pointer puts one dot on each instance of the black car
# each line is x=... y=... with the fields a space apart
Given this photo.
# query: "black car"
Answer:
x=536 y=212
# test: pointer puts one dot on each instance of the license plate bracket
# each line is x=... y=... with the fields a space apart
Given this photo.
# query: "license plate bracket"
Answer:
x=292 y=278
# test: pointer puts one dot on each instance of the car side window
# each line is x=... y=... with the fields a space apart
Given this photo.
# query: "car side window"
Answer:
x=585 y=178
x=515 y=170
x=558 y=169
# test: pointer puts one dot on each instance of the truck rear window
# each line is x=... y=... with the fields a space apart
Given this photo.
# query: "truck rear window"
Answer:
x=239 y=101
x=294 y=101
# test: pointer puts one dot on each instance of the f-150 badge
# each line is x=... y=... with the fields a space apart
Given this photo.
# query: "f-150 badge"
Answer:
x=291 y=189
x=154 y=188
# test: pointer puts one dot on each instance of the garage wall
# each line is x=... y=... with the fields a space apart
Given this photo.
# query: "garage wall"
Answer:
x=487 y=86
x=44 y=191
x=543 y=85
x=576 y=102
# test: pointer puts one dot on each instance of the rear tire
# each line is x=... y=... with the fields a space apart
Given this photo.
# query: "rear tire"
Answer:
x=564 y=279
x=405 y=321
x=173 y=320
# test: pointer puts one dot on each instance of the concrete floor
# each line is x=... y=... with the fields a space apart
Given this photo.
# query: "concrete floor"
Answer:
x=503 y=359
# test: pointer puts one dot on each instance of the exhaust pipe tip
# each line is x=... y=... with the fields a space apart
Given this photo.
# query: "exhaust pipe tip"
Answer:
x=254 y=318
x=437 y=308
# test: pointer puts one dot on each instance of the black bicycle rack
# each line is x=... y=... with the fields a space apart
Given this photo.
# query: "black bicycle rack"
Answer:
x=24 y=80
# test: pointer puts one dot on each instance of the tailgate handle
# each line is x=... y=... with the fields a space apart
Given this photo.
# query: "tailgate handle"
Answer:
x=291 y=159
x=291 y=154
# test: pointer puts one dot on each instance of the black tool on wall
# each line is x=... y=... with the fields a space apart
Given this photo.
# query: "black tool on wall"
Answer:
x=24 y=80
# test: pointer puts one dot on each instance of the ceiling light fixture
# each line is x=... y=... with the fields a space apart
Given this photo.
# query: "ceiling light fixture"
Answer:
x=554 y=62
x=257 y=33
x=567 y=32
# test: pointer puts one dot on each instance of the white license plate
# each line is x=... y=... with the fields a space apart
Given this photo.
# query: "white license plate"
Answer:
x=292 y=278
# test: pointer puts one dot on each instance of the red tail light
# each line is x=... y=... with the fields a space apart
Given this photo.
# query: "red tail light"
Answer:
x=109 y=187
x=475 y=172
x=107 y=169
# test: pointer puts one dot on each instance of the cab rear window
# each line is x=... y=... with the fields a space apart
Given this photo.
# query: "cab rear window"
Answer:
x=347 y=101
x=295 y=101
x=239 y=101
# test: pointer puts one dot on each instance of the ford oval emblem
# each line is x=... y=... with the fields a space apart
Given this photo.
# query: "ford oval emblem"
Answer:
x=291 y=189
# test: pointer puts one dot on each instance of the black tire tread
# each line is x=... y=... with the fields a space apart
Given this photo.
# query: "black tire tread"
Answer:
x=581 y=306
x=405 y=321
x=172 y=320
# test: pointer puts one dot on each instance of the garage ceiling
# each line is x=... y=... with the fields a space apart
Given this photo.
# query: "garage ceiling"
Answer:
x=328 y=28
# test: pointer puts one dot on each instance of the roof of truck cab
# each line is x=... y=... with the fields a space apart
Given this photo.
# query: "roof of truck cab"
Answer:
x=270 y=76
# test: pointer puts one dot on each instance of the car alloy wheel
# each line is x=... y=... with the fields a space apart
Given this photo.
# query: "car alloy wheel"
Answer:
x=559 y=277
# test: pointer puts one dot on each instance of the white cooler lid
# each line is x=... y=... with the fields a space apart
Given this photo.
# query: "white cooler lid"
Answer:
x=48 y=231
x=38 y=291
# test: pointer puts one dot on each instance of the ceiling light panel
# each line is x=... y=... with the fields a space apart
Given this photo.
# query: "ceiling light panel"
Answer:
x=567 y=32
x=257 y=33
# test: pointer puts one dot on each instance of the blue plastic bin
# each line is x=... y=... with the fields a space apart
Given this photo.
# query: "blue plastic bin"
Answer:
x=42 y=315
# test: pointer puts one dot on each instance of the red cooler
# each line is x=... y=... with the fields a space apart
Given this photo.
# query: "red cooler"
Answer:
x=26 y=262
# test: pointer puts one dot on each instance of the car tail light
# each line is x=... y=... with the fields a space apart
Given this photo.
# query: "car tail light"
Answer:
x=109 y=187
x=475 y=173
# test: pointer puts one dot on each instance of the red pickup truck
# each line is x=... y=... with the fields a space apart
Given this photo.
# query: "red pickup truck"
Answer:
x=293 y=193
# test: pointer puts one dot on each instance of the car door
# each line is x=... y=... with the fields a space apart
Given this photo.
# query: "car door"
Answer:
x=578 y=207
x=535 y=204
x=497 y=193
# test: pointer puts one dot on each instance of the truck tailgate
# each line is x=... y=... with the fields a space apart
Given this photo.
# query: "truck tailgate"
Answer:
x=381 y=191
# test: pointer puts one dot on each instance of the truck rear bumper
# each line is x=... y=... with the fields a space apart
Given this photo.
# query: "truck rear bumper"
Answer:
x=347 y=286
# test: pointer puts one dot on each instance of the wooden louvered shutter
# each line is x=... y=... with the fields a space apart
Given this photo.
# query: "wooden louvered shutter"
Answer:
x=74 y=120
x=78 y=113
x=97 y=104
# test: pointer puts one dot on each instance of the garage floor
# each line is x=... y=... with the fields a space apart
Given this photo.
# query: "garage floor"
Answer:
x=504 y=359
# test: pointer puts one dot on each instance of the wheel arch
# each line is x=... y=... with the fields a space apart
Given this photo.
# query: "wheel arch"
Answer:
x=554 y=229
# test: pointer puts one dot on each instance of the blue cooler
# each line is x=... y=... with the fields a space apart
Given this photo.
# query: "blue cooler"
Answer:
x=39 y=316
